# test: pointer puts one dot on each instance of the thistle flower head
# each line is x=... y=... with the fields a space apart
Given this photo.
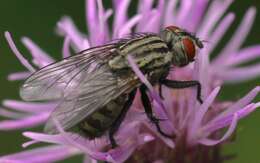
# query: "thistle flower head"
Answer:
x=197 y=127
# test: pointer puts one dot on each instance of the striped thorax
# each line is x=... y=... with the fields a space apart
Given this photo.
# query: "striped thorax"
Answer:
x=148 y=51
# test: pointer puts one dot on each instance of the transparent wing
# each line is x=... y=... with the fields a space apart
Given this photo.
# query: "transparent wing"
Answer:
x=97 y=90
x=56 y=80
x=83 y=83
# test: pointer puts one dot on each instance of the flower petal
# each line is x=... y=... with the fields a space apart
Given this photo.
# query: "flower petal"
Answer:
x=196 y=14
x=151 y=18
x=152 y=24
x=67 y=28
x=235 y=75
x=9 y=114
x=238 y=37
x=218 y=33
x=40 y=137
x=125 y=150
x=144 y=9
x=66 y=47
x=225 y=120
x=199 y=115
x=160 y=9
x=91 y=19
x=120 y=16
x=183 y=12
x=239 y=104
x=30 y=121
x=18 y=76
x=30 y=107
x=231 y=129
x=170 y=13
x=126 y=28
x=42 y=58
x=20 y=57
x=245 y=55
x=103 y=33
x=41 y=154
x=97 y=22
x=212 y=17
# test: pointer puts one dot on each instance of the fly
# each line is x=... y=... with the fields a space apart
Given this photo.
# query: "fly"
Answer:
x=96 y=87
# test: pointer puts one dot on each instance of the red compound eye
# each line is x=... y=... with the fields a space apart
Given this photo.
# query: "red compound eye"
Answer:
x=173 y=28
x=189 y=48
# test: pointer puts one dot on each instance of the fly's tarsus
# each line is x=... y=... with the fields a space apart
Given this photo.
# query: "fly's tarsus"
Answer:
x=149 y=112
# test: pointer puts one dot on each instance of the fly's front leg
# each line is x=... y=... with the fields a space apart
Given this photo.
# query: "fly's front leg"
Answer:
x=149 y=112
x=120 y=118
x=183 y=84
x=160 y=91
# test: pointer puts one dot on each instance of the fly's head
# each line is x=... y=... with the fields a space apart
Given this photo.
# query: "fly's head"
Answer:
x=181 y=44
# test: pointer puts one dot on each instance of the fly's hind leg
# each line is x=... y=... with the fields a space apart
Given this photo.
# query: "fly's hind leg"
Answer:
x=183 y=84
x=149 y=112
x=115 y=126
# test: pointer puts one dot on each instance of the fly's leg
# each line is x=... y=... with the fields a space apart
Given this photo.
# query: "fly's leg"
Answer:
x=149 y=112
x=160 y=91
x=120 y=118
x=183 y=84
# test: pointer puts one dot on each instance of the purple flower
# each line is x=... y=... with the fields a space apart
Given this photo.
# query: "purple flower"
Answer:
x=198 y=128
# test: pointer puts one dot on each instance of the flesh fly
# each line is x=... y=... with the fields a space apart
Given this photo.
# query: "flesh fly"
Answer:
x=96 y=87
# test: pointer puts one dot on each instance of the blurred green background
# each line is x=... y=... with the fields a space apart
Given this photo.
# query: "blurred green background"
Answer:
x=37 y=19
